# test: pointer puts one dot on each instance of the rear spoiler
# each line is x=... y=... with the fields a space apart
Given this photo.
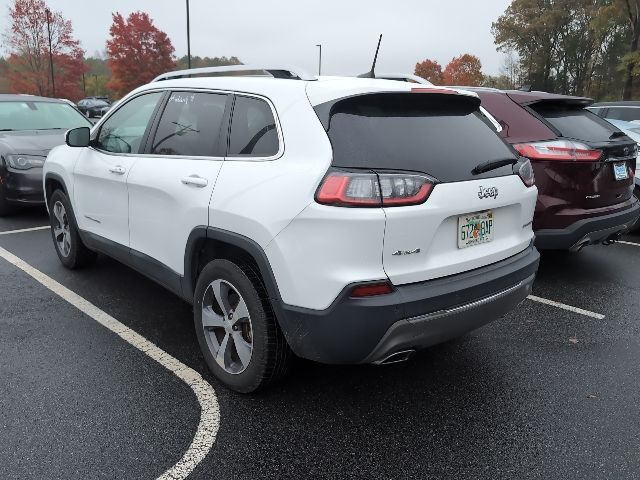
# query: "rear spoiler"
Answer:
x=527 y=99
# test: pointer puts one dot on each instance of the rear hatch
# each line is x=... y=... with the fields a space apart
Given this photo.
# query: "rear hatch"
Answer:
x=468 y=220
x=591 y=164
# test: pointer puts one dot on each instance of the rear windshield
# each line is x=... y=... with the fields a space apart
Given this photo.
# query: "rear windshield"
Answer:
x=444 y=136
x=576 y=122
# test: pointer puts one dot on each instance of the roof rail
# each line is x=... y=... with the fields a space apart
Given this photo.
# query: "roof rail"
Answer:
x=281 y=71
x=405 y=77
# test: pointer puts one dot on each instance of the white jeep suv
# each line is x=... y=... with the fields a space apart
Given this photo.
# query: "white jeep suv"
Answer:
x=344 y=220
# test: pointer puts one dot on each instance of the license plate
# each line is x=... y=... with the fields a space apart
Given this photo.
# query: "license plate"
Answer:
x=620 y=171
x=475 y=229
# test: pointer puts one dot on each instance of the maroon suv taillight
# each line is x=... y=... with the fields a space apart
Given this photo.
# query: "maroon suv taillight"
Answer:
x=371 y=189
x=562 y=150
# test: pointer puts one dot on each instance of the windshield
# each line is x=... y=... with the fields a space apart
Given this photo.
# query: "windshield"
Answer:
x=26 y=115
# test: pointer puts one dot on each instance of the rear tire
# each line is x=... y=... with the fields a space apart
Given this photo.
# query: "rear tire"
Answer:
x=71 y=251
x=244 y=348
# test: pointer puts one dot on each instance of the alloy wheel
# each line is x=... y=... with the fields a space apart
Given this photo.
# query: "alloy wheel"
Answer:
x=227 y=326
x=61 y=230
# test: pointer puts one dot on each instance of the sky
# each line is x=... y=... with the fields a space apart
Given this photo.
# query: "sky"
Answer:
x=287 y=32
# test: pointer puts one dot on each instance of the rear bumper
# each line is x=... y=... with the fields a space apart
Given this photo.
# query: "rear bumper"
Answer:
x=23 y=187
x=588 y=231
x=414 y=316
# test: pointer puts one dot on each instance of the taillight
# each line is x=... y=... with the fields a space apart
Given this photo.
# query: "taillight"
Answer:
x=371 y=290
x=371 y=189
x=525 y=171
x=563 y=150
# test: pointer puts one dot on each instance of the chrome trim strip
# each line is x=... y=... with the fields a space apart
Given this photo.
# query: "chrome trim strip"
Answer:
x=467 y=306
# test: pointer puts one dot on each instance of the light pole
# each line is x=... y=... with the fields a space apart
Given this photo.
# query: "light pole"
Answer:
x=188 y=37
x=53 y=80
x=319 y=59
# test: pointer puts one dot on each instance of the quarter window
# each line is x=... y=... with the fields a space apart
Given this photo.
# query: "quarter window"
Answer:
x=124 y=130
x=190 y=125
x=253 y=129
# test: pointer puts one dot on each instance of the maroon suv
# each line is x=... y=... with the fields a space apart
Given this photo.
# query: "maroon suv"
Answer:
x=584 y=166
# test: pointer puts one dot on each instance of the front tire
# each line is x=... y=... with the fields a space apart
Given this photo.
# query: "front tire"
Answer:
x=237 y=331
x=5 y=208
x=64 y=231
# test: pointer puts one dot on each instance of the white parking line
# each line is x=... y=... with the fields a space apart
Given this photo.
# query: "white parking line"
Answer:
x=580 y=311
x=24 y=230
x=209 y=410
x=629 y=243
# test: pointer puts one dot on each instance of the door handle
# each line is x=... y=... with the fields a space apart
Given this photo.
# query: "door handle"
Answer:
x=196 y=181
x=118 y=170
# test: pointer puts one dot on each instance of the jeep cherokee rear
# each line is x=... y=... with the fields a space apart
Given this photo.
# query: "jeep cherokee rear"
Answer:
x=346 y=220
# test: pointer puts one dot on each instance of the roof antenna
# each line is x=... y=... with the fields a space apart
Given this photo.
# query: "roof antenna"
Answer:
x=372 y=73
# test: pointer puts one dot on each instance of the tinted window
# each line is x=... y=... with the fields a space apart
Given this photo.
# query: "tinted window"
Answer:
x=575 y=122
x=442 y=135
x=253 y=129
x=627 y=114
x=190 y=125
x=123 y=131
x=26 y=115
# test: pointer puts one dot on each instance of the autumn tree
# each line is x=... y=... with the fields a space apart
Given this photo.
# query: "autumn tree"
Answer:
x=27 y=42
x=429 y=70
x=463 y=70
x=137 y=52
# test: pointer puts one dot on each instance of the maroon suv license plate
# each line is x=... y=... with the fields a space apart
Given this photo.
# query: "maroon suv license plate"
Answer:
x=620 y=171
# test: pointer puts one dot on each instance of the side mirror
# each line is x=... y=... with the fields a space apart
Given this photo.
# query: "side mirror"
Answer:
x=78 y=137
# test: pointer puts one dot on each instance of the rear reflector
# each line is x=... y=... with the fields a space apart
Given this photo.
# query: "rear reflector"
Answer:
x=371 y=189
x=371 y=290
x=563 y=150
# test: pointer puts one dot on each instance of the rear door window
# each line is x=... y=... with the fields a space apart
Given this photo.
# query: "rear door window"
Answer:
x=190 y=125
x=253 y=129
x=444 y=136
x=575 y=122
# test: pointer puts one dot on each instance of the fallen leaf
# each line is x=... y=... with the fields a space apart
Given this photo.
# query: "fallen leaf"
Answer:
x=573 y=340
x=591 y=397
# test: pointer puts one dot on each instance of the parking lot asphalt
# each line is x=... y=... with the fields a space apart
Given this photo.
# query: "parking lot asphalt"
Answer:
x=541 y=393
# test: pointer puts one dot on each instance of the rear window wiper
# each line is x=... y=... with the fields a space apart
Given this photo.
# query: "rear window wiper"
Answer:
x=6 y=130
x=492 y=165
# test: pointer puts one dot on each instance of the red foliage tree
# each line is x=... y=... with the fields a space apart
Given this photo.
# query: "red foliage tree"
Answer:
x=430 y=70
x=27 y=42
x=465 y=70
x=137 y=52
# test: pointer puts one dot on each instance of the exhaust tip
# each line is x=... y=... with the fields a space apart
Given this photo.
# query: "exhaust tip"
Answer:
x=396 y=357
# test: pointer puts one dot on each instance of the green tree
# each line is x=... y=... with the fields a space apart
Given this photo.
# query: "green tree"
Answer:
x=201 y=62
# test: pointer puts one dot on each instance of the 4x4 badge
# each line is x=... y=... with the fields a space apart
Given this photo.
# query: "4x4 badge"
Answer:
x=491 y=192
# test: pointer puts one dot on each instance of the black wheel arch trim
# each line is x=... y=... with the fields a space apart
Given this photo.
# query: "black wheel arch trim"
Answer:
x=57 y=178
x=237 y=240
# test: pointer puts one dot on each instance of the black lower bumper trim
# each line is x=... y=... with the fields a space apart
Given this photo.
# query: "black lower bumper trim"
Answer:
x=363 y=330
x=588 y=231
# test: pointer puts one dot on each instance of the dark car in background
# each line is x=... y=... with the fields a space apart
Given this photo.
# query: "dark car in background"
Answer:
x=29 y=127
x=584 y=166
x=92 y=107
